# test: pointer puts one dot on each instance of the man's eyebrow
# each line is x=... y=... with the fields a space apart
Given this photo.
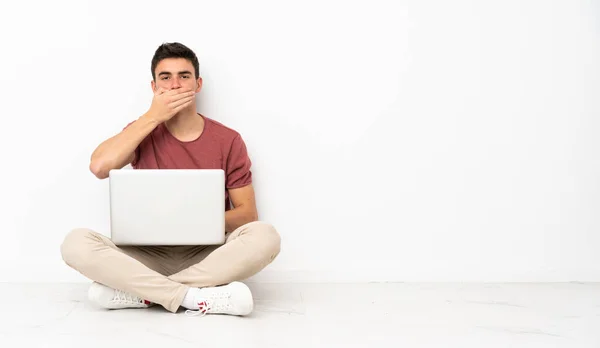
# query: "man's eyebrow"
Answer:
x=180 y=73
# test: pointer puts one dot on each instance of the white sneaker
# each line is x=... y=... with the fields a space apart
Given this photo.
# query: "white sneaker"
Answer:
x=234 y=299
x=110 y=298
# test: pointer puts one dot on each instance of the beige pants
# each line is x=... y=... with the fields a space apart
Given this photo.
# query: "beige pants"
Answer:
x=163 y=274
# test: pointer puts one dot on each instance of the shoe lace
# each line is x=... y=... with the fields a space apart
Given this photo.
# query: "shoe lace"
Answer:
x=218 y=302
x=127 y=298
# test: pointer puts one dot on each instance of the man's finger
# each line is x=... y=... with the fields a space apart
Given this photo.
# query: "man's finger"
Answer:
x=177 y=91
x=181 y=101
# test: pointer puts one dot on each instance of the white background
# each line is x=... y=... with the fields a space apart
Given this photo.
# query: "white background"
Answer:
x=391 y=140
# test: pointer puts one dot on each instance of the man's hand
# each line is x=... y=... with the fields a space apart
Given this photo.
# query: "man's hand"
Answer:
x=167 y=103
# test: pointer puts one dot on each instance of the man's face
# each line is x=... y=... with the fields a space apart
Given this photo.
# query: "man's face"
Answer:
x=174 y=73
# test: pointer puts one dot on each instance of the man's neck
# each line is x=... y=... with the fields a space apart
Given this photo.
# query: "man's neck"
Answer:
x=186 y=125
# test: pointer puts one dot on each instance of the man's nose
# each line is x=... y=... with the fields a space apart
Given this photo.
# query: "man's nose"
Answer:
x=175 y=84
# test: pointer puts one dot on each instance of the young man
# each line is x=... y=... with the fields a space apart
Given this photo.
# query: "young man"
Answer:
x=172 y=135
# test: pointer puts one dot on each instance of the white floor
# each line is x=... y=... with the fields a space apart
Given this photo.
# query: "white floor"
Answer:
x=318 y=315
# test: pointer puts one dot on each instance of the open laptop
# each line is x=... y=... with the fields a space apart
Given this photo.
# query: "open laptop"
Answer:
x=167 y=206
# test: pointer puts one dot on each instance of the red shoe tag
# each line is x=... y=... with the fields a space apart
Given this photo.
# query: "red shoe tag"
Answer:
x=202 y=306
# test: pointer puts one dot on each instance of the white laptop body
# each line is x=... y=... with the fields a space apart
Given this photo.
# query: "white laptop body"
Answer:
x=167 y=206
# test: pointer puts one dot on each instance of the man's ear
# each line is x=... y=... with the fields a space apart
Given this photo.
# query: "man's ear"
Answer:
x=153 y=85
x=198 y=84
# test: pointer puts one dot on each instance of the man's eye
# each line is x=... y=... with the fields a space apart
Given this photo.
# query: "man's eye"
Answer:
x=186 y=76
x=165 y=77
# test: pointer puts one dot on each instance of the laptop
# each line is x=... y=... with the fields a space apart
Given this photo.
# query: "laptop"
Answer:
x=167 y=206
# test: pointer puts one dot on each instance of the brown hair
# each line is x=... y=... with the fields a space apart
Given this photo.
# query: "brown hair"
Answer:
x=174 y=50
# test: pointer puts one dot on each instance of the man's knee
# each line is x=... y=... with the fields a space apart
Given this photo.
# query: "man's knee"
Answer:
x=270 y=238
x=72 y=249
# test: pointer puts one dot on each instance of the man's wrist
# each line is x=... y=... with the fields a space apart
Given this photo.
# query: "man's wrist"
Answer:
x=150 y=117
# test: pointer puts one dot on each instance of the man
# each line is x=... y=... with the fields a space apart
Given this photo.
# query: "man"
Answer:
x=172 y=135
